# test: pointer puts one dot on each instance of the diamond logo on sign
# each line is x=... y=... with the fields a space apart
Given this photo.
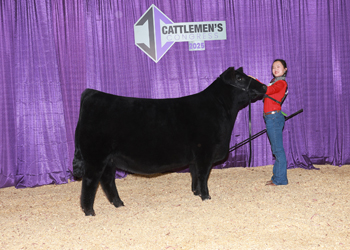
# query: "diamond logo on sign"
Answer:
x=147 y=31
x=155 y=33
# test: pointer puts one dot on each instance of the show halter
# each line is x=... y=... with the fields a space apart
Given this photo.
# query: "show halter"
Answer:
x=250 y=126
x=250 y=119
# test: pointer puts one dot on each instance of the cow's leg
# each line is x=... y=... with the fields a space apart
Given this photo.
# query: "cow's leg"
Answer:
x=109 y=187
x=91 y=179
x=204 y=168
x=194 y=175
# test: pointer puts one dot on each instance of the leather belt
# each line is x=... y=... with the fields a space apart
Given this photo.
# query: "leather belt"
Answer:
x=272 y=112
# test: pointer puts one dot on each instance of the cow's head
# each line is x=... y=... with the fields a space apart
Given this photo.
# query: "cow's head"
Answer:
x=243 y=83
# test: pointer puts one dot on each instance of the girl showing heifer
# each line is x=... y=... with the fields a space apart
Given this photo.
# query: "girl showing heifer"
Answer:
x=274 y=120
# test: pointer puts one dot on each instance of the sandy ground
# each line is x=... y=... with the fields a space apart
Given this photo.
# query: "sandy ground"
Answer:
x=312 y=212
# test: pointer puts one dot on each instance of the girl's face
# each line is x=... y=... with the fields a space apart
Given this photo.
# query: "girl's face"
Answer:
x=278 y=69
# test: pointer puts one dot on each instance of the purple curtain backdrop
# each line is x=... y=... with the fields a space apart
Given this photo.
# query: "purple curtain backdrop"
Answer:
x=50 y=51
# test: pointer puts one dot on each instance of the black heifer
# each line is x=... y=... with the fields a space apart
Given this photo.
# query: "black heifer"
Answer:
x=147 y=136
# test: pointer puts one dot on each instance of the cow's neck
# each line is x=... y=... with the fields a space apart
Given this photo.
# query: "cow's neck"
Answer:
x=225 y=95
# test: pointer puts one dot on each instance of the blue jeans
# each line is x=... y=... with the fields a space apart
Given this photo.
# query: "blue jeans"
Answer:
x=274 y=127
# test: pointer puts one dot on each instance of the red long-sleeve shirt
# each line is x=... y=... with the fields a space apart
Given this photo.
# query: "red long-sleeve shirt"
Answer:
x=276 y=91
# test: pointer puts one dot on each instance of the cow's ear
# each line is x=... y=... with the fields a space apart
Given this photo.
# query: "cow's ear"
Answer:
x=227 y=75
x=240 y=70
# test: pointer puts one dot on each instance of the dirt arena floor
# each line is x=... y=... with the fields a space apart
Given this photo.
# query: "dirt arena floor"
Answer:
x=160 y=212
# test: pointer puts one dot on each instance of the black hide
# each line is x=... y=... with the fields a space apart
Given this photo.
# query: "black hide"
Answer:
x=147 y=136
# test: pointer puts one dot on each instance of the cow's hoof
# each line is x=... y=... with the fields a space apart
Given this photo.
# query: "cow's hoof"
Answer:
x=196 y=192
x=89 y=213
x=207 y=197
x=118 y=204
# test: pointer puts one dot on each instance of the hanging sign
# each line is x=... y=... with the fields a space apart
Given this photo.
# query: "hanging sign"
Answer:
x=155 y=33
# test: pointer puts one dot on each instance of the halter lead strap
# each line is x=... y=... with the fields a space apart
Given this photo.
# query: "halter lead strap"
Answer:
x=250 y=120
x=250 y=128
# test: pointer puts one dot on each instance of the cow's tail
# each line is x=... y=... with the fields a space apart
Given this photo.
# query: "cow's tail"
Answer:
x=78 y=162
x=78 y=165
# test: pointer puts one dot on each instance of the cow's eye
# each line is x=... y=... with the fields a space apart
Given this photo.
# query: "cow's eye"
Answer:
x=239 y=78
